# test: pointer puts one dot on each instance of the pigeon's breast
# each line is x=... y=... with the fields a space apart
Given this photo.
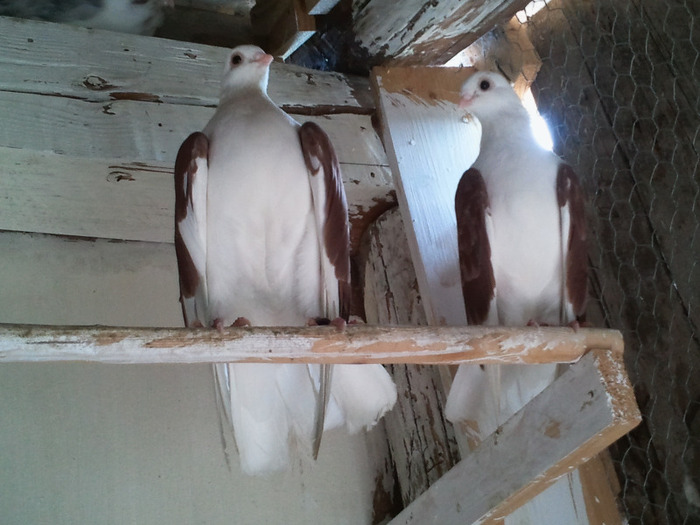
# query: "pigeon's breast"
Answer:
x=262 y=261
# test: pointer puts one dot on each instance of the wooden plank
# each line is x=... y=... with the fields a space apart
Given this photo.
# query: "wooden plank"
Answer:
x=429 y=141
x=586 y=409
x=67 y=281
x=102 y=66
x=600 y=490
x=115 y=199
x=426 y=32
x=142 y=131
x=421 y=441
x=357 y=344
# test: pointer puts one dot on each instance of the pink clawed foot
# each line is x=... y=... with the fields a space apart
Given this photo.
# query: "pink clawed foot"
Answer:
x=338 y=322
x=241 y=321
x=219 y=325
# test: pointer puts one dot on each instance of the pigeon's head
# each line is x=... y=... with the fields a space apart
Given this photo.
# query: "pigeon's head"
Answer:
x=486 y=95
x=246 y=67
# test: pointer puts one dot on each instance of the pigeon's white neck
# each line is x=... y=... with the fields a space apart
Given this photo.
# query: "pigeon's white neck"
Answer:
x=248 y=92
x=504 y=132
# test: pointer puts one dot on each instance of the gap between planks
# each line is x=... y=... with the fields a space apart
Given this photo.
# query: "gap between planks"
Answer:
x=357 y=344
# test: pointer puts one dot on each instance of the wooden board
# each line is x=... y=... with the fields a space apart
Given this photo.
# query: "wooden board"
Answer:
x=119 y=199
x=581 y=413
x=146 y=131
x=430 y=143
x=64 y=61
x=426 y=32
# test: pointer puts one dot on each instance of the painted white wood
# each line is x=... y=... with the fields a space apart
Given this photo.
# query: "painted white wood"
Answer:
x=143 y=131
x=100 y=66
x=584 y=411
x=430 y=144
x=355 y=344
x=118 y=199
x=69 y=281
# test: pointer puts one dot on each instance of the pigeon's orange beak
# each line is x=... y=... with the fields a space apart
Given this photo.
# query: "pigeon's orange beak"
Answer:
x=264 y=59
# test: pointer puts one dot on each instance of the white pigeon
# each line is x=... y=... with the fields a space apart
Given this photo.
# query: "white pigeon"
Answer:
x=125 y=16
x=522 y=250
x=262 y=238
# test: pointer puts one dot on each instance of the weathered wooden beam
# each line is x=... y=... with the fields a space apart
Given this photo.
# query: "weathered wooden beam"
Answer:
x=357 y=344
x=585 y=410
x=430 y=143
x=426 y=32
x=61 y=60
x=421 y=441
x=119 y=199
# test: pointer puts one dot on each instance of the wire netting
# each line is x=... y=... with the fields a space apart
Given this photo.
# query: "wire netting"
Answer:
x=619 y=85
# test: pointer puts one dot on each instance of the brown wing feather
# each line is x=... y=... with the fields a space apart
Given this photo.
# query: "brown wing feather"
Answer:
x=195 y=146
x=471 y=202
x=319 y=153
x=569 y=192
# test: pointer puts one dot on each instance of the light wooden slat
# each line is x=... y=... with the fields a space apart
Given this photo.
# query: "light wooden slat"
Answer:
x=52 y=280
x=585 y=410
x=114 y=199
x=63 y=60
x=356 y=344
x=430 y=144
x=142 y=131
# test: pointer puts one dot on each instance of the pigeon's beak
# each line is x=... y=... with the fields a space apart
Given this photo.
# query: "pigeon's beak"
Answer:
x=263 y=59
x=465 y=101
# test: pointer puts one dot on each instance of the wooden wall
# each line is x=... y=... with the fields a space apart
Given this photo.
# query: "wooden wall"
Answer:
x=91 y=122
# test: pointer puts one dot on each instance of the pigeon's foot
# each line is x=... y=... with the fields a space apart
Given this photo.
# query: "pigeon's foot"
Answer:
x=219 y=325
x=241 y=321
x=338 y=322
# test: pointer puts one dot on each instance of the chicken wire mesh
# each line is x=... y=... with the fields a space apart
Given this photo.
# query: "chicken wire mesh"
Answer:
x=619 y=86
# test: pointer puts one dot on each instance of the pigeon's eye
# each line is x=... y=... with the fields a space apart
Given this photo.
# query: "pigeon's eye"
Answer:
x=236 y=59
x=484 y=85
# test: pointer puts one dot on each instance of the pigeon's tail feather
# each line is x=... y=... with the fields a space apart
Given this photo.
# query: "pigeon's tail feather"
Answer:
x=364 y=394
x=485 y=398
x=322 y=397
x=258 y=416
x=269 y=406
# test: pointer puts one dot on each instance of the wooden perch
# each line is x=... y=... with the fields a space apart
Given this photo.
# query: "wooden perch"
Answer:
x=584 y=411
x=357 y=344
